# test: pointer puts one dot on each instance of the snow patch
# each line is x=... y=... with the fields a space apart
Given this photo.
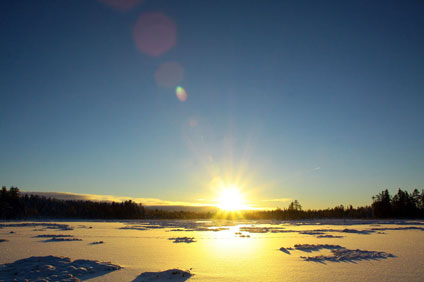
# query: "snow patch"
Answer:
x=96 y=243
x=349 y=256
x=167 y=275
x=312 y=247
x=182 y=239
x=56 y=239
x=52 y=268
x=63 y=227
x=53 y=235
x=329 y=236
x=338 y=253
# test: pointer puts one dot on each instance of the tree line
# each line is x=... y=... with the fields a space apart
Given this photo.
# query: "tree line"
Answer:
x=14 y=205
x=401 y=205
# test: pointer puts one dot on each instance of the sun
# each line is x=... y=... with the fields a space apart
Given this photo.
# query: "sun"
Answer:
x=231 y=199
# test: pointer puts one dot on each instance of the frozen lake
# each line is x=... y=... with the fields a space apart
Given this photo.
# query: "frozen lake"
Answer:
x=326 y=250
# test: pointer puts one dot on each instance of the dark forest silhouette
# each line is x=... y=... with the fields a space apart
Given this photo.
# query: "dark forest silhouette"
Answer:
x=14 y=205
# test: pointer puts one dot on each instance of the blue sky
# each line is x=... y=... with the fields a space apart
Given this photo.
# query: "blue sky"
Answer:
x=319 y=101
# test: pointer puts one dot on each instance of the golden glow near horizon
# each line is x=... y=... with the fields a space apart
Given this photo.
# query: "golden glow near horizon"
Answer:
x=231 y=199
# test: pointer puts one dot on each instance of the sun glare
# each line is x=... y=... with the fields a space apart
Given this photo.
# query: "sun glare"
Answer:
x=230 y=199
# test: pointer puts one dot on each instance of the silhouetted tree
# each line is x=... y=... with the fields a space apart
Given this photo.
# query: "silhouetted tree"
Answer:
x=421 y=203
x=381 y=206
x=295 y=206
x=416 y=198
x=403 y=205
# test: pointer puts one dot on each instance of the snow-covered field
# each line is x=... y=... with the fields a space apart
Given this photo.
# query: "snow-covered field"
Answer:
x=327 y=250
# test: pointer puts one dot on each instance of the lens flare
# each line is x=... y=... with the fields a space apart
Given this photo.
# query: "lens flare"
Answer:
x=181 y=94
x=193 y=122
x=155 y=33
x=169 y=74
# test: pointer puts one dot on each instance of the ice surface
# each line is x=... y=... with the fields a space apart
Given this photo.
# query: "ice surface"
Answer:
x=370 y=250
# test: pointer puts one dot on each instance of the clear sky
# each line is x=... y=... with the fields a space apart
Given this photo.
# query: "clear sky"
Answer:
x=320 y=101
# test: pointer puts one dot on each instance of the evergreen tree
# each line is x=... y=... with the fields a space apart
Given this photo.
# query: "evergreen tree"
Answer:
x=381 y=206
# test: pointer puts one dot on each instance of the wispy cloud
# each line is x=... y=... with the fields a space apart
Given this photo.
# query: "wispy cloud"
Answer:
x=110 y=198
x=145 y=201
x=278 y=200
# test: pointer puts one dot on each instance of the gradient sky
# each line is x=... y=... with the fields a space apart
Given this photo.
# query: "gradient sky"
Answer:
x=320 y=101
